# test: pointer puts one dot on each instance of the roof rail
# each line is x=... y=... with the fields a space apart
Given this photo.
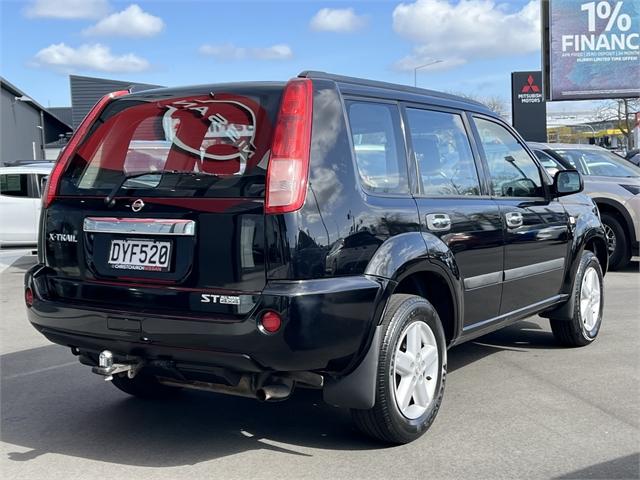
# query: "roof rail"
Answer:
x=391 y=86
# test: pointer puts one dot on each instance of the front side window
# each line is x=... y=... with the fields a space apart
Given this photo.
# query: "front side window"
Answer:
x=14 y=185
x=442 y=153
x=513 y=172
x=379 y=149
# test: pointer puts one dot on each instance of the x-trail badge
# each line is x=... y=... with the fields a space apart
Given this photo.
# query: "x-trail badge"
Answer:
x=137 y=205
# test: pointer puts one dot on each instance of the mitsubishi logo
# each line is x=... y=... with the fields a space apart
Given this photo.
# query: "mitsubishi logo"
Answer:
x=137 y=205
x=530 y=86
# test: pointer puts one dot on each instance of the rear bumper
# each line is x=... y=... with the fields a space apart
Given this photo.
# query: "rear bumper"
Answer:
x=327 y=326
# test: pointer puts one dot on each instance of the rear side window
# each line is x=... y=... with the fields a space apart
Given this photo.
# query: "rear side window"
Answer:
x=513 y=172
x=443 y=153
x=210 y=144
x=14 y=185
x=379 y=147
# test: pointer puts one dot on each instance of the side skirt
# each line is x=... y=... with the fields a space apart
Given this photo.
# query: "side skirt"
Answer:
x=478 y=329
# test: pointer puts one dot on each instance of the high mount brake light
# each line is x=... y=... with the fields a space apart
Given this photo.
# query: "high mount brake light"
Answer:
x=51 y=189
x=288 y=170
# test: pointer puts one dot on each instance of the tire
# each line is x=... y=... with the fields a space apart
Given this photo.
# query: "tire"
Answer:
x=583 y=328
x=405 y=316
x=143 y=385
x=617 y=242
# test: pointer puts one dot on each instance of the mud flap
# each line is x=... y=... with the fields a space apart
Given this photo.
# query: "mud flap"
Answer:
x=358 y=389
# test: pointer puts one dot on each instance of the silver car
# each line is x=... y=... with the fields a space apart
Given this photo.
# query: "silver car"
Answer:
x=614 y=185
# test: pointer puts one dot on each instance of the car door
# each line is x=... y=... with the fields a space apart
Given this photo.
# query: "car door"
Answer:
x=455 y=207
x=536 y=228
x=35 y=193
x=17 y=211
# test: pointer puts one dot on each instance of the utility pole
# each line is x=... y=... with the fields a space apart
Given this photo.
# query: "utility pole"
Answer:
x=415 y=70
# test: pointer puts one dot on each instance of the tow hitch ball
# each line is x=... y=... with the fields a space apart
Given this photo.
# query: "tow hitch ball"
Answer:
x=107 y=368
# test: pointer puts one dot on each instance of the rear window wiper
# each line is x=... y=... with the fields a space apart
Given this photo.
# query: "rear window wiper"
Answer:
x=109 y=199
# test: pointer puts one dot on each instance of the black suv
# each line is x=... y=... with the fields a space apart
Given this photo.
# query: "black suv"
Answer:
x=327 y=232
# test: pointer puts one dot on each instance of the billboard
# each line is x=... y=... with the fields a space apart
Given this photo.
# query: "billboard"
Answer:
x=591 y=49
x=528 y=107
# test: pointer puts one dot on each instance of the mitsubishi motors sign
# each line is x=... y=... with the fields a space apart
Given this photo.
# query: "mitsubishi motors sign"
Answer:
x=528 y=107
x=591 y=49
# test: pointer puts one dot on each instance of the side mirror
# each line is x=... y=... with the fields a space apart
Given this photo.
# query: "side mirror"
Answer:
x=567 y=182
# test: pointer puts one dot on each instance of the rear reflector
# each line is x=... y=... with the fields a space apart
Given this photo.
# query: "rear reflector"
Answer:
x=288 y=170
x=53 y=181
x=270 y=322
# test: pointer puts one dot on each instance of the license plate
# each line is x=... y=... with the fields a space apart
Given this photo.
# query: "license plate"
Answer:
x=144 y=255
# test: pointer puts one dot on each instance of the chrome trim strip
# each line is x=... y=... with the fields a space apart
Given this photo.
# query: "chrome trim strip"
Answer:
x=534 y=269
x=483 y=280
x=140 y=226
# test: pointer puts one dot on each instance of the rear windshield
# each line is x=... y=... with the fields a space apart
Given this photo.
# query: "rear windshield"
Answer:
x=210 y=144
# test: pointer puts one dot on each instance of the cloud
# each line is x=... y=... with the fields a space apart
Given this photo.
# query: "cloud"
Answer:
x=130 y=22
x=88 y=57
x=469 y=29
x=337 y=20
x=229 y=52
x=68 y=9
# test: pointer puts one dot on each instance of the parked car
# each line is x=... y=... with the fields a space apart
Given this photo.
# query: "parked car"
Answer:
x=20 y=204
x=634 y=157
x=327 y=232
x=612 y=182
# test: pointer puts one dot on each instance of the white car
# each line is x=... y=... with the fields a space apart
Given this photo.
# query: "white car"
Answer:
x=20 y=190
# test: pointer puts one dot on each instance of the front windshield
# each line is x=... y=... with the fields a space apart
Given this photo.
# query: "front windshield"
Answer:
x=599 y=162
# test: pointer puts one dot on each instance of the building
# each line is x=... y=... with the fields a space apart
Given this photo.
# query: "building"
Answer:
x=86 y=91
x=26 y=126
x=586 y=127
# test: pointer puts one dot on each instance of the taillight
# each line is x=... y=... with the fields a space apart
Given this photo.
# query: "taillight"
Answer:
x=28 y=297
x=288 y=170
x=53 y=181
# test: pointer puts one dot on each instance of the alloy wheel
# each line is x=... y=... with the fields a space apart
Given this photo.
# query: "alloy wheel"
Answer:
x=611 y=238
x=590 y=299
x=415 y=370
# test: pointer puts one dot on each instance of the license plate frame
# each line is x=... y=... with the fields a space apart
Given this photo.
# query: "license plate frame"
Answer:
x=128 y=254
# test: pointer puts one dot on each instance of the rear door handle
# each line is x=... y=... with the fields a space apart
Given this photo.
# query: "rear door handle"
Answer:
x=514 y=219
x=438 y=222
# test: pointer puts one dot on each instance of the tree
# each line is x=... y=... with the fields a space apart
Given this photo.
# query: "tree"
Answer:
x=622 y=113
x=495 y=103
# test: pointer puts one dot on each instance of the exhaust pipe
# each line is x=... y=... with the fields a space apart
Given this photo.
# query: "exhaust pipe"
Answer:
x=274 y=393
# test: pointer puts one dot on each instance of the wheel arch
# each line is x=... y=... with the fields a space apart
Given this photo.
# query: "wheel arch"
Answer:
x=411 y=260
x=607 y=205
x=421 y=264
x=591 y=240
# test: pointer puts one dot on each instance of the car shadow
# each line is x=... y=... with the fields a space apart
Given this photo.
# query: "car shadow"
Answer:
x=521 y=337
x=51 y=404
x=632 y=266
x=627 y=467
x=63 y=408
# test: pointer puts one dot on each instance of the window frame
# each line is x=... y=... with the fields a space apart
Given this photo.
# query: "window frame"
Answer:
x=479 y=166
x=347 y=99
x=478 y=140
x=548 y=178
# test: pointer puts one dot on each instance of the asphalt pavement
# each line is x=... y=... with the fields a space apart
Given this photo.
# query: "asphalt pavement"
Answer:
x=516 y=406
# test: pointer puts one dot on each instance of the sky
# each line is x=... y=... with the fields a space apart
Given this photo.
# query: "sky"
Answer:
x=477 y=43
